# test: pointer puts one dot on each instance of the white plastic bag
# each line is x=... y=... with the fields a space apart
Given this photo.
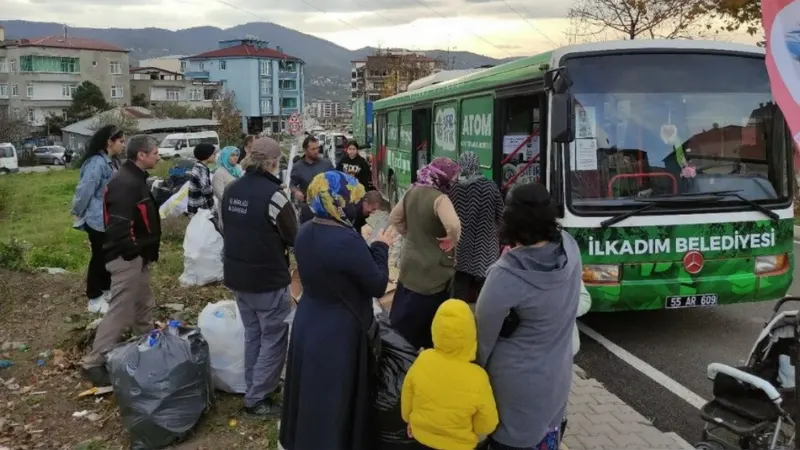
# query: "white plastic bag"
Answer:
x=177 y=204
x=202 y=251
x=222 y=328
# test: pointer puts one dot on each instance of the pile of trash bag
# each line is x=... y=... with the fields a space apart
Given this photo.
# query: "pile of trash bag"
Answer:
x=162 y=382
x=396 y=359
x=177 y=186
x=222 y=328
x=202 y=251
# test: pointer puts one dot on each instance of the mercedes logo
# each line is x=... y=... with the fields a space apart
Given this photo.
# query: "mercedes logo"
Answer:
x=693 y=262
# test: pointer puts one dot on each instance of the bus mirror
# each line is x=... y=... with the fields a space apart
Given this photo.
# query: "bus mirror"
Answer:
x=562 y=119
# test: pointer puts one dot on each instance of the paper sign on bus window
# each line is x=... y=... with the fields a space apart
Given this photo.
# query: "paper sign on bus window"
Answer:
x=585 y=154
x=585 y=122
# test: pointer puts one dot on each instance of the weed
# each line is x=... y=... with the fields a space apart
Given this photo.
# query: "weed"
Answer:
x=173 y=229
x=12 y=254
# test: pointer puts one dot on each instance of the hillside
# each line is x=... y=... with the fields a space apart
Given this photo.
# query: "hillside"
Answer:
x=327 y=64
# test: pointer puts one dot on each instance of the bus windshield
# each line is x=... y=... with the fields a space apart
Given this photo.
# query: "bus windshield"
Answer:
x=674 y=124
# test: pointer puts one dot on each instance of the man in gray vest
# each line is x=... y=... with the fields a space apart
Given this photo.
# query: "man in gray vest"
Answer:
x=260 y=226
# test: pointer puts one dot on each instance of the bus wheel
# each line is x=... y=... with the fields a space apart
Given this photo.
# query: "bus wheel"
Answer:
x=393 y=197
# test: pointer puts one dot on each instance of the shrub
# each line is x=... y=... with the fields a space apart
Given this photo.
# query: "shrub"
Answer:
x=12 y=254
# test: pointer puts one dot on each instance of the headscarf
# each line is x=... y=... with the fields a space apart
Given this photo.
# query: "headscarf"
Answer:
x=439 y=174
x=224 y=161
x=470 y=167
x=336 y=196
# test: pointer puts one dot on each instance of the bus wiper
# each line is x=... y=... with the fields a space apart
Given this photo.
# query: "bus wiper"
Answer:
x=619 y=218
x=711 y=197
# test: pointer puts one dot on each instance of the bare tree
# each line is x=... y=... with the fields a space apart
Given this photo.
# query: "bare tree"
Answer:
x=128 y=124
x=13 y=127
x=637 y=19
x=229 y=118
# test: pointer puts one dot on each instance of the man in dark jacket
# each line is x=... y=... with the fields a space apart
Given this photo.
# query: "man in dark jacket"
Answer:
x=303 y=171
x=260 y=226
x=133 y=235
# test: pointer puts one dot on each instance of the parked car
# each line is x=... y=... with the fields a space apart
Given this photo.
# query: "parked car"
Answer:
x=9 y=162
x=50 y=154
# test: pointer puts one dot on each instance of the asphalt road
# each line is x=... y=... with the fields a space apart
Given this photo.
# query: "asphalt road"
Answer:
x=680 y=344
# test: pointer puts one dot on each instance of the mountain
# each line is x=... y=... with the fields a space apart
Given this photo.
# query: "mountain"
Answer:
x=327 y=64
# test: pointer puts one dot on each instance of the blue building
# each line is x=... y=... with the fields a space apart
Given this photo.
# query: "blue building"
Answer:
x=267 y=83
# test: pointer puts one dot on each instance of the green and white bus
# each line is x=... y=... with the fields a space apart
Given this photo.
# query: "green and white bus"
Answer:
x=669 y=161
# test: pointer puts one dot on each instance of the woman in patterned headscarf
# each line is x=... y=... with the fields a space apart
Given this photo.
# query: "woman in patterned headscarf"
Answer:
x=341 y=275
x=427 y=263
x=479 y=205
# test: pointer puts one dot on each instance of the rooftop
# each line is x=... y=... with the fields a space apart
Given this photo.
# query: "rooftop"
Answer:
x=244 y=51
x=153 y=69
x=67 y=43
x=146 y=122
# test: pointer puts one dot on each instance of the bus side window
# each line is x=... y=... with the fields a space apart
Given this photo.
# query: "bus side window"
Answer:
x=520 y=159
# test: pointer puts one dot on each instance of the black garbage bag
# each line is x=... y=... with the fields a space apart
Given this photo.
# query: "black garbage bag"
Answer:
x=162 y=383
x=397 y=355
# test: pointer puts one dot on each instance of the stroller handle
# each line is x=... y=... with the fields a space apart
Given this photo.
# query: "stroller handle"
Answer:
x=788 y=298
x=744 y=377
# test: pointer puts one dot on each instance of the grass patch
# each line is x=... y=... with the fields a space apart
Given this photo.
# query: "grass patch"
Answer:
x=35 y=211
x=35 y=231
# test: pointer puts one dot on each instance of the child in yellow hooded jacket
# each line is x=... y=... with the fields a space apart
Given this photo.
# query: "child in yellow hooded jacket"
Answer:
x=447 y=401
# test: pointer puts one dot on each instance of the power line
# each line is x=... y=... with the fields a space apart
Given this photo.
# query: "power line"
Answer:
x=470 y=32
x=529 y=23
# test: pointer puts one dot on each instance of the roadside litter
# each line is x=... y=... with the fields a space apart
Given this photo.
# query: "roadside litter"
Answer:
x=162 y=382
x=222 y=328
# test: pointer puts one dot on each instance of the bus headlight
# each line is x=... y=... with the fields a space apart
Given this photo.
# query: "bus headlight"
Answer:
x=601 y=273
x=771 y=265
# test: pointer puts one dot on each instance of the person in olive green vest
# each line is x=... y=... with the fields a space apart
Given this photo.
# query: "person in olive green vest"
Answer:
x=431 y=229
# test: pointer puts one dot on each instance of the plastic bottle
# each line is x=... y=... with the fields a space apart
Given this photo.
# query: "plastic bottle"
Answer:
x=173 y=327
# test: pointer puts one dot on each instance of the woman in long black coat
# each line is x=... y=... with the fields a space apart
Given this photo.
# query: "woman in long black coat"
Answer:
x=326 y=403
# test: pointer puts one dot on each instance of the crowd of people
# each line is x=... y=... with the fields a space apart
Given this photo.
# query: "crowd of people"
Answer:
x=496 y=330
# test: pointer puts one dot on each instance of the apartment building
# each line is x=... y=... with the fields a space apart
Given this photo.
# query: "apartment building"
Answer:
x=172 y=63
x=266 y=82
x=389 y=72
x=327 y=109
x=157 y=85
x=39 y=75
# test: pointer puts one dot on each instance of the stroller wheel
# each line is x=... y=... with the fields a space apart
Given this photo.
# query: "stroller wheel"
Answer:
x=708 y=446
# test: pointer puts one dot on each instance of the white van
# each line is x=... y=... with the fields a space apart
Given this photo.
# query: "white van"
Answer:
x=9 y=163
x=183 y=144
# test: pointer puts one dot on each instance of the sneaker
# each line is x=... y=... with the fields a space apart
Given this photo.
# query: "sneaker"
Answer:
x=98 y=305
x=263 y=410
x=98 y=376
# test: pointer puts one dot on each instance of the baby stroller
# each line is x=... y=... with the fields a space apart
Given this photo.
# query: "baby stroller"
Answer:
x=755 y=406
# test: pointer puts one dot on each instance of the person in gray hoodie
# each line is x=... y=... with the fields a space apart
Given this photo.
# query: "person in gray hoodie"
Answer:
x=525 y=315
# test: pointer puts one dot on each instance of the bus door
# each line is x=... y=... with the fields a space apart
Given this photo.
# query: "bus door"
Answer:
x=421 y=136
x=519 y=132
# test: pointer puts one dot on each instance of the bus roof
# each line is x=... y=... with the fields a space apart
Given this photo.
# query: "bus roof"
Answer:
x=531 y=67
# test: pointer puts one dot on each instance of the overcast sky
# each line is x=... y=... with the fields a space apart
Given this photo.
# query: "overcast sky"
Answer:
x=498 y=28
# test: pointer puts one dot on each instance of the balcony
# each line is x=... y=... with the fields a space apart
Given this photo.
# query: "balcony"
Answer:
x=287 y=75
x=289 y=92
x=287 y=110
x=197 y=75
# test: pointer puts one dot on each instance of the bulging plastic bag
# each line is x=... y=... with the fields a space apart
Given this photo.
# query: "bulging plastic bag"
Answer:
x=202 y=251
x=163 y=386
x=222 y=328
x=177 y=204
x=397 y=356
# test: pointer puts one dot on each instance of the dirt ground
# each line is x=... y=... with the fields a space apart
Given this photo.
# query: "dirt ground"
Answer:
x=42 y=331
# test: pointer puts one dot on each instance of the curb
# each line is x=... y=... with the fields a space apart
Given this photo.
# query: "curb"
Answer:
x=679 y=440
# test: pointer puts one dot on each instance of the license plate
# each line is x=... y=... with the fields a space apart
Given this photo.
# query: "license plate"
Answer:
x=690 y=301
